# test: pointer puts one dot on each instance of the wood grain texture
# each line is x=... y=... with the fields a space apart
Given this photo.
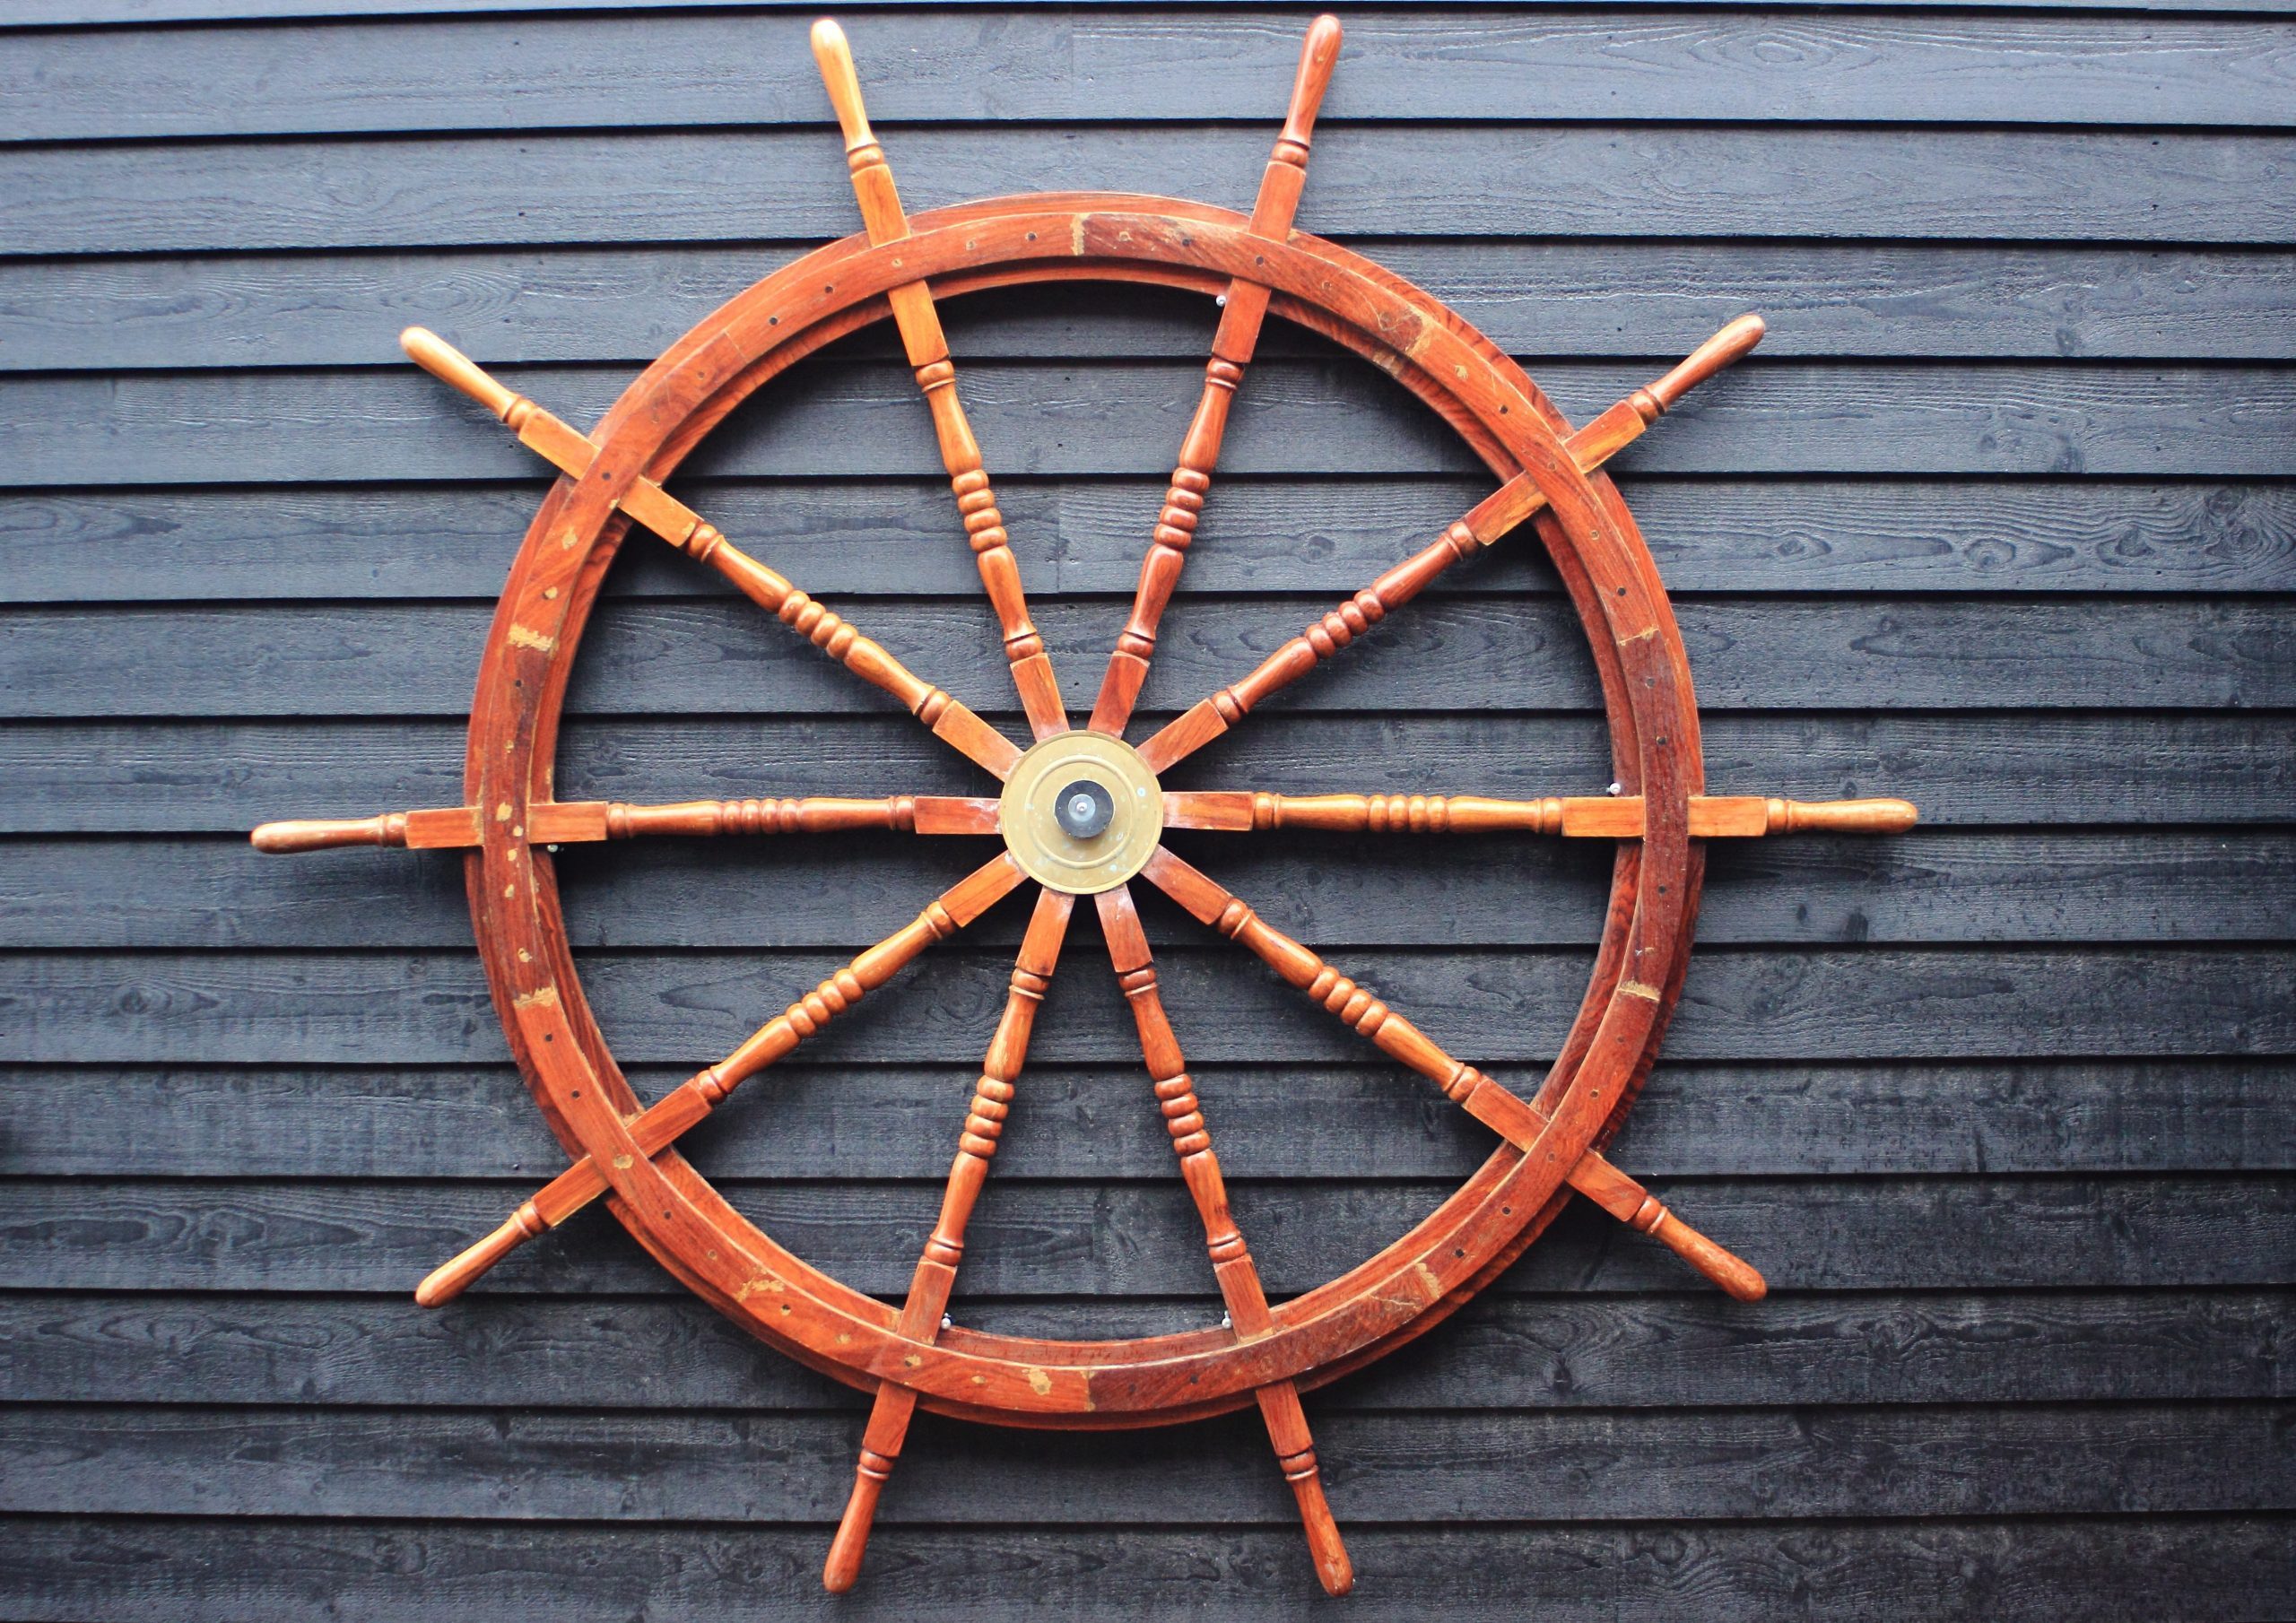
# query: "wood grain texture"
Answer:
x=1352 y=1119
x=1070 y=1240
x=1557 y=299
x=2017 y=1570
x=1562 y=1352
x=558 y=72
x=1998 y=522
x=1932 y=888
x=672 y=657
x=1598 y=1467
x=1975 y=769
x=1742 y=1003
x=1715 y=536
x=100 y=13
x=431 y=191
x=1300 y=417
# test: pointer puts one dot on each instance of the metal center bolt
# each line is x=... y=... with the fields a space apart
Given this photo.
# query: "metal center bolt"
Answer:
x=1084 y=810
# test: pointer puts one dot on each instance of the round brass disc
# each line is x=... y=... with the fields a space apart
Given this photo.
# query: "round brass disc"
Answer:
x=1046 y=851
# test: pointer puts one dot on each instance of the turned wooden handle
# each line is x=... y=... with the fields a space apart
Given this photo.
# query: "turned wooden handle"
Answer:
x=450 y=1280
x=1842 y=816
x=325 y=833
x=1733 y=342
x=449 y=365
x=1733 y=1273
x=835 y=57
x=1318 y=54
x=1333 y=1568
x=852 y=1540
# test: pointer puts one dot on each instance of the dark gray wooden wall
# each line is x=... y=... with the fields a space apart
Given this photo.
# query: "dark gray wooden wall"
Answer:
x=1998 y=520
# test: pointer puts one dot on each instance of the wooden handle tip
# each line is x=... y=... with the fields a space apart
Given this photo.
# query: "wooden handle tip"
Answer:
x=325 y=833
x=450 y=366
x=1733 y=342
x=1334 y=1570
x=271 y=837
x=843 y=1569
x=1319 y=56
x=460 y=1273
x=1731 y=1273
x=829 y=39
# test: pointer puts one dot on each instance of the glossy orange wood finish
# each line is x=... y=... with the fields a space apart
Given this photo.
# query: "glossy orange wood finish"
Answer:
x=663 y=1123
x=937 y=1269
x=572 y=821
x=1505 y=1113
x=1267 y=1354
x=1593 y=817
x=1243 y=310
x=645 y=500
x=1249 y=1318
x=919 y=322
x=1491 y=518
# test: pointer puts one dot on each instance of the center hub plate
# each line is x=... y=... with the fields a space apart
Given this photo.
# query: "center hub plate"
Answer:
x=1030 y=809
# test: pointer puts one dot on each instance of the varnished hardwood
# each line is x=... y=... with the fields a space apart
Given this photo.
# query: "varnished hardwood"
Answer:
x=1585 y=816
x=919 y=321
x=1266 y=1352
x=1495 y=517
x=1243 y=310
x=1515 y=1119
x=1231 y=1260
x=661 y=1122
x=566 y=448
x=572 y=821
x=937 y=1269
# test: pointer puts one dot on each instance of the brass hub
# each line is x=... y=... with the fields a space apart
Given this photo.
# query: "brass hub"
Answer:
x=1047 y=779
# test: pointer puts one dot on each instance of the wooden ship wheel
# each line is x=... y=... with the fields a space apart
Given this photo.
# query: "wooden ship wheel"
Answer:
x=1081 y=813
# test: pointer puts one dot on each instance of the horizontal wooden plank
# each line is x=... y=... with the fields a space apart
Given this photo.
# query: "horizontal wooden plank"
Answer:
x=1297 y=417
x=721 y=655
x=1600 y=1466
x=1553 y=298
x=100 y=13
x=1728 y=181
x=2021 y=1570
x=1925 y=887
x=1571 y=1352
x=1035 y=1237
x=891 y=538
x=1122 y=64
x=1972 y=768
x=1502 y=1008
x=1356 y=1120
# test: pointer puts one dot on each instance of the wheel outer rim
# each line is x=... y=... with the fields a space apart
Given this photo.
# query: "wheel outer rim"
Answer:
x=1416 y=1279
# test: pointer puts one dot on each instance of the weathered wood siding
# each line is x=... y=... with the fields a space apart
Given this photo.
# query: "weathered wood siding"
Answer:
x=1999 y=519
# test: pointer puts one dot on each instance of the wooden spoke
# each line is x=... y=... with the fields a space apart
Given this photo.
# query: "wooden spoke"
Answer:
x=1231 y=1262
x=573 y=821
x=1493 y=517
x=1505 y=1112
x=1592 y=817
x=659 y=1125
x=937 y=1269
x=571 y=452
x=919 y=321
x=1243 y=309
